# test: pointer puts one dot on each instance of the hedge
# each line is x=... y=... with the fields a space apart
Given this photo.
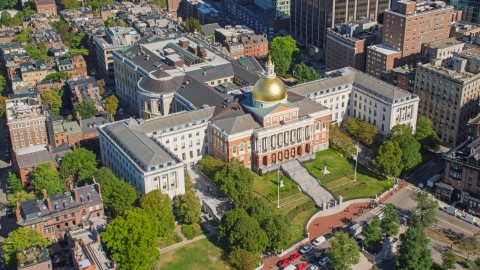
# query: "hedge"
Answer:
x=287 y=191
x=300 y=208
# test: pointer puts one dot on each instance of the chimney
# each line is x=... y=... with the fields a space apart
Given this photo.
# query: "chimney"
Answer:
x=75 y=194
x=79 y=118
x=97 y=185
x=98 y=237
x=92 y=227
x=50 y=148
x=17 y=212
x=47 y=199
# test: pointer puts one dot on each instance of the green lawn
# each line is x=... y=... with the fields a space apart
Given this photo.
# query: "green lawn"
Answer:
x=298 y=225
x=266 y=186
x=342 y=171
x=203 y=254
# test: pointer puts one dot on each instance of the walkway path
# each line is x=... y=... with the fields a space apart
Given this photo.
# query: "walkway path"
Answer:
x=307 y=183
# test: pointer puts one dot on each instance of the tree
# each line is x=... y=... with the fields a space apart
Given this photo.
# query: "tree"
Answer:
x=234 y=179
x=101 y=87
x=109 y=22
x=188 y=207
x=81 y=162
x=121 y=22
x=277 y=229
x=247 y=234
x=281 y=51
x=6 y=18
x=469 y=244
x=81 y=51
x=425 y=134
x=411 y=156
x=387 y=160
x=260 y=210
x=413 y=253
x=344 y=251
x=57 y=76
x=17 y=19
x=45 y=177
x=303 y=73
x=2 y=105
x=111 y=104
x=159 y=206
x=241 y=259
x=160 y=3
x=3 y=83
x=23 y=36
x=390 y=223
x=449 y=260
x=19 y=196
x=132 y=240
x=372 y=232
x=28 y=12
x=52 y=100
x=228 y=222
x=118 y=196
x=4 y=4
x=424 y=213
x=210 y=165
x=70 y=4
x=362 y=131
x=37 y=53
x=192 y=25
x=19 y=240
x=86 y=108
x=14 y=183
x=340 y=142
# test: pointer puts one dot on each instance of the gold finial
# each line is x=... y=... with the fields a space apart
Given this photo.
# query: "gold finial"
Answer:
x=269 y=63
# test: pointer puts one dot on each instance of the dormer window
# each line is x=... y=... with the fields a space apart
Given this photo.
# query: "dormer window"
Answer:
x=82 y=199
x=65 y=204
x=89 y=197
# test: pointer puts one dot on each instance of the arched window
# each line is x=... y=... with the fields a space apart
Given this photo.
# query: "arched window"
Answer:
x=324 y=125
x=242 y=147
x=234 y=149
x=317 y=126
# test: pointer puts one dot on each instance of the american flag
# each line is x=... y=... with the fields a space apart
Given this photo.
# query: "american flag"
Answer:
x=280 y=172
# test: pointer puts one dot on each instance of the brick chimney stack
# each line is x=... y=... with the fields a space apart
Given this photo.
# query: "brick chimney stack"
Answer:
x=47 y=199
x=79 y=118
x=97 y=185
x=17 y=212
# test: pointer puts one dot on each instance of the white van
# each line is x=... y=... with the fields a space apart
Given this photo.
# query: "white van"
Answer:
x=318 y=241
x=290 y=267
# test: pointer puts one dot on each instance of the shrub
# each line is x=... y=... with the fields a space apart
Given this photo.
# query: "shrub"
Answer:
x=188 y=231
x=300 y=208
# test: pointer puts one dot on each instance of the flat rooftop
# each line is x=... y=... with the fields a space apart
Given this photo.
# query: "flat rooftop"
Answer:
x=446 y=43
x=383 y=49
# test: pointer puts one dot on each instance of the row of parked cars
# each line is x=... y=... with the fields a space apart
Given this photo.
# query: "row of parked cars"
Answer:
x=465 y=217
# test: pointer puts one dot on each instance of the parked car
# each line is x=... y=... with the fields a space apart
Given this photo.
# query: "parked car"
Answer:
x=323 y=260
x=337 y=229
x=318 y=241
x=283 y=263
x=306 y=249
x=328 y=236
x=294 y=257
x=301 y=266
x=313 y=267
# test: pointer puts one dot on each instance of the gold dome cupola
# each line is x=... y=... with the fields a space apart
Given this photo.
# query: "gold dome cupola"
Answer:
x=269 y=90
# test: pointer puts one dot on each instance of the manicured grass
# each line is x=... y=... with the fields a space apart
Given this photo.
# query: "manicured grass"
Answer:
x=291 y=198
x=284 y=210
x=341 y=170
x=298 y=225
x=266 y=186
x=205 y=254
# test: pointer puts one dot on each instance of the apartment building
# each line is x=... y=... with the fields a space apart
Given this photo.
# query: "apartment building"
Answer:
x=143 y=161
x=464 y=29
x=413 y=24
x=450 y=94
x=115 y=38
x=351 y=93
x=381 y=59
x=469 y=8
x=444 y=49
x=33 y=72
x=347 y=45
x=309 y=22
x=241 y=41
x=84 y=88
x=402 y=77
x=52 y=215
x=47 y=7
x=74 y=66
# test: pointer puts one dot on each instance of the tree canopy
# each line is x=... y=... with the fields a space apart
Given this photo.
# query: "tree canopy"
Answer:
x=23 y=36
x=70 y=4
x=241 y=259
x=211 y=165
x=86 y=108
x=413 y=253
x=132 y=240
x=118 y=196
x=424 y=213
x=192 y=25
x=387 y=160
x=14 y=183
x=425 y=134
x=2 y=105
x=38 y=52
x=4 y=4
x=372 y=232
x=111 y=104
x=390 y=223
x=340 y=142
x=57 y=76
x=247 y=234
x=52 y=100
x=188 y=207
x=159 y=206
x=411 y=156
x=46 y=177
x=19 y=196
x=277 y=229
x=19 y=240
x=282 y=50
x=234 y=179
x=362 y=131
x=449 y=260
x=303 y=73
x=344 y=251
x=160 y=3
x=82 y=163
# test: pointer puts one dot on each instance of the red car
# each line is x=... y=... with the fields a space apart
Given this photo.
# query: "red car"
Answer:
x=301 y=266
x=283 y=263
x=294 y=257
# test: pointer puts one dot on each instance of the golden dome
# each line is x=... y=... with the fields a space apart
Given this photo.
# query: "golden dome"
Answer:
x=269 y=90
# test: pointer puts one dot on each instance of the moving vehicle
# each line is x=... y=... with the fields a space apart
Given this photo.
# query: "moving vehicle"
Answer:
x=318 y=241
x=306 y=249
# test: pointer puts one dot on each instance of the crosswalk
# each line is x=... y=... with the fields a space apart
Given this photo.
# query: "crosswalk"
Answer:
x=379 y=209
x=414 y=188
